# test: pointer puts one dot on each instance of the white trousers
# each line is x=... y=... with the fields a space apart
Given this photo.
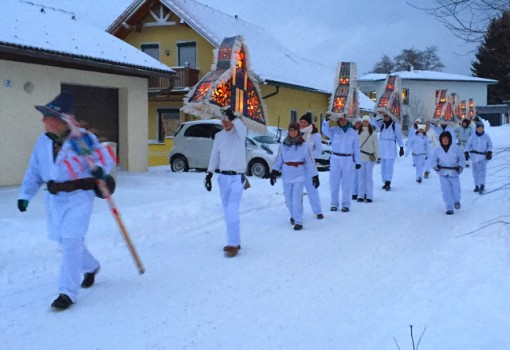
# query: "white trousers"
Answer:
x=419 y=163
x=294 y=200
x=366 y=180
x=355 y=181
x=450 y=186
x=231 y=191
x=76 y=260
x=480 y=172
x=313 y=196
x=341 y=172
x=387 y=169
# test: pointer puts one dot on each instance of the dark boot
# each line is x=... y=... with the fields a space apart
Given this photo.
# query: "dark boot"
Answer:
x=298 y=227
x=354 y=197
x=386 y=185
x=231 y=251
x=62 y=302
x=482 y=189
x=89 y=278
x=292 y=222
x=476 y=189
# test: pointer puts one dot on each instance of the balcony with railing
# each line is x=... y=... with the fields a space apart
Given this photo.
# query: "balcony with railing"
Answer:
x=185 y=77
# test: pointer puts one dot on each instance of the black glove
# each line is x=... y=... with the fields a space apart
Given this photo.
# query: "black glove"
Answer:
x=358 y=166
x=229 y=113
x=22 y=205
x=98 y=173
x=378 y=161
x=273 y=176
x=437 y=167
x=52 y=187
x=488 y=155
x=110 y=185
x=208 y=184
x=466 y=155
x=315 y=181
x=401 y=152
x=459 y=169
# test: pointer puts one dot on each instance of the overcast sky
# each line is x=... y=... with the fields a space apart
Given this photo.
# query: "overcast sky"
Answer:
x=327 y=31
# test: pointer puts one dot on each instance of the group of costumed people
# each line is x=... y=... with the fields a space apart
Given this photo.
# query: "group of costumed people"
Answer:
x=355 y=149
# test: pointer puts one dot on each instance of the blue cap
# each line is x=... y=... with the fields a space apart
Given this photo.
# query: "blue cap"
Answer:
x=62 y=104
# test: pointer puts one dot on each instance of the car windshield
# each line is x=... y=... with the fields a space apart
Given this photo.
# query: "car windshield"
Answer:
x=264 y=139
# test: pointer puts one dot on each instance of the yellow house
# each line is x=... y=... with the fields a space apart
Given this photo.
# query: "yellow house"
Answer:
x=182 y=34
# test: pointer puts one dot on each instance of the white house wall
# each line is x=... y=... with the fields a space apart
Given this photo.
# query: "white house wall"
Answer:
x=422 y=94
x=21 y=123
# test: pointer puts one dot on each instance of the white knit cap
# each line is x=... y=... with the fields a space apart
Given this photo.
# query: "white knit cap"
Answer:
x=365 y=118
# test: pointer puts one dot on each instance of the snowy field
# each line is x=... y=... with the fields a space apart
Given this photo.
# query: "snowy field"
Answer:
x=352 y=281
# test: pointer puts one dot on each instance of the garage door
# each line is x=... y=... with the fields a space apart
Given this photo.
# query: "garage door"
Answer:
x=97 y=110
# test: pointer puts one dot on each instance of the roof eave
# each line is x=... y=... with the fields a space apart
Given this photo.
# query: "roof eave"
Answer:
x=294 y=86
x=46 y=57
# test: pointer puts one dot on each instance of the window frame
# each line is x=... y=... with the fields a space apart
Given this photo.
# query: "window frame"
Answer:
x=293 y=117
x=178 y=56
x=160 y=130
x=405 y=96
x=154 y=45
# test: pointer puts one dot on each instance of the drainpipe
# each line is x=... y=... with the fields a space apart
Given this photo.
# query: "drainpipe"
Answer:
x=276 y=91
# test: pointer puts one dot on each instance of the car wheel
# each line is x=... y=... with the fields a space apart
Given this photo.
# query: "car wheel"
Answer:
x=258 y=168
x=179 y=164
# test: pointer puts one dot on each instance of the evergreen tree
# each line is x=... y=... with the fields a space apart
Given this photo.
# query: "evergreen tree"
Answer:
x=493 y=59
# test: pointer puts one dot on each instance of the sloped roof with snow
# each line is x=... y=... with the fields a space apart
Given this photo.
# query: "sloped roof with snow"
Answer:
x=271 y=61
x=426 y=75
x=29 y=26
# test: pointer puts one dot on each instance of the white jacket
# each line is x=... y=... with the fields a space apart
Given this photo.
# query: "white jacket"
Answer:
x=368 y=144
x=68 y=213
x=229 y=149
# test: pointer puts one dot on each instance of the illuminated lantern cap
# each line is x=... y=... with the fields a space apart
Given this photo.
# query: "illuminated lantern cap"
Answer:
x=390 y=101
x=230 y=83
x=344 y=100
x=447 y=109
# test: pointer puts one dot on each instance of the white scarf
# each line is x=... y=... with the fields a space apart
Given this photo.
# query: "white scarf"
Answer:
x=307 y=133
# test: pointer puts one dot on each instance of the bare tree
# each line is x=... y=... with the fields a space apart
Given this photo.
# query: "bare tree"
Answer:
x=385 y=65
x=466 y=19
x=410 y=58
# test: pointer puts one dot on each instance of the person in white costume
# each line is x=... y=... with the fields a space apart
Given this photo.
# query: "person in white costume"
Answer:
x=345 y=158
x=356 y=127
x=419 y=148
x=228 y=156
x=295 y=164
x=312 y=139
x=369 y=151
x=433 y=142
x=463 y=132
x=71 y=183
x=447 y=161
x=479 y=150
x=389 y=136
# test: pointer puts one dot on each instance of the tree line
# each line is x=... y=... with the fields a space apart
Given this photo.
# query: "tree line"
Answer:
x=483 y=21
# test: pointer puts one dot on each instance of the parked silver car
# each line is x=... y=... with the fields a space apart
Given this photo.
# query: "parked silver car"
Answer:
x=193 y=144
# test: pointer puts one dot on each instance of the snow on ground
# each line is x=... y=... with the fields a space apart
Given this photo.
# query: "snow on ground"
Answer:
x=354 y=280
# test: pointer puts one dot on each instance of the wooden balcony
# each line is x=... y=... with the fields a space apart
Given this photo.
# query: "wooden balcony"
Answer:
x=184 y=77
